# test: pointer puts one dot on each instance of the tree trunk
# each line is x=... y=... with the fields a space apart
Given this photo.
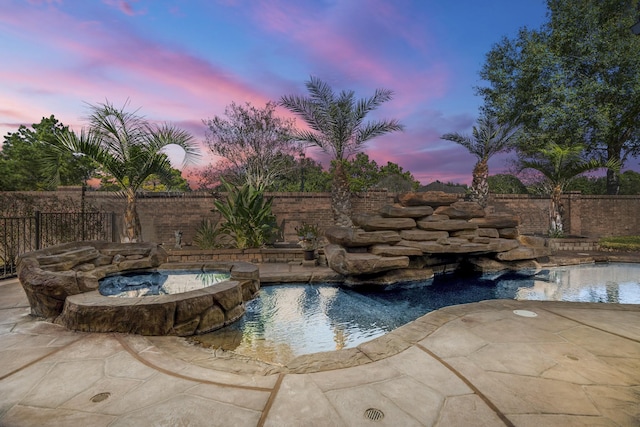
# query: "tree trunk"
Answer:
x=556 y=226
x=132 y=228
x=480 y=183
x=613 y=182
x=613 y=178
x=341 y=197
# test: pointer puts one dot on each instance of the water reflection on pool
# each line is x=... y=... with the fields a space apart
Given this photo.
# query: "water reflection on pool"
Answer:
x=293 y=319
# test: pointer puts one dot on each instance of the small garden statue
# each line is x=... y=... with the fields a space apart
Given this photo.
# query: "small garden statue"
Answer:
x=178 y=236
x=308 y=235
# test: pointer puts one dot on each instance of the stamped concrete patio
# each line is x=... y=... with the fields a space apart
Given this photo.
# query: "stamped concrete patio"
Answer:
x=471 y=365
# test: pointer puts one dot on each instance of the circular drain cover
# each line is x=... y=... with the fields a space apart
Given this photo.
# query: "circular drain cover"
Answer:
x=374 y=414
x=100 y=397
x=525 y=313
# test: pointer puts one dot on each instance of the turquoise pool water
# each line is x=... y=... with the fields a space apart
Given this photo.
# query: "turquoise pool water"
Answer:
x=288 y=320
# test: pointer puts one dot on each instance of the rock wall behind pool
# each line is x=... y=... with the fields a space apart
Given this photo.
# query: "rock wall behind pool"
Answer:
x=424 y=230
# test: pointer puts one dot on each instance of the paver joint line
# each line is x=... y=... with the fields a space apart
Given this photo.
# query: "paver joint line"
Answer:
x=142 y=360
x=591 y=326
x=272 y=398
x=33 y=362
x=475 y=389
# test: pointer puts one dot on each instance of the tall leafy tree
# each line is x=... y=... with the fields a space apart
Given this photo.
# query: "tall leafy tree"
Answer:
x=577 y=79
x=364 y=174
x=29 y=163
x=559 y=165
x=253 y=142
x=337 y=126
x=488 y=139
x=506 y=184
x=129 y=148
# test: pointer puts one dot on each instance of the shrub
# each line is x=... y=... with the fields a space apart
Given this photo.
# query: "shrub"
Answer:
x=248 y=216
x=209 y=235
x=625 y=243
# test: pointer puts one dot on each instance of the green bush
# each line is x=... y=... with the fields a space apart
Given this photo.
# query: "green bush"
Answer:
x=625 y=243
x=248 y=217
x=209 y=235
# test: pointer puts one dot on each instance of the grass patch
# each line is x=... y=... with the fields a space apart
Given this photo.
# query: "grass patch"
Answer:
x=621 y=243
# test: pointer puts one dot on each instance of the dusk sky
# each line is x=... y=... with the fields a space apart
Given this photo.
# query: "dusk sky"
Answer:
x=183 y=61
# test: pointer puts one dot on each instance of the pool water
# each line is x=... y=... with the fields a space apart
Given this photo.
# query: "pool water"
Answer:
x=289 y=320
x=162 y=282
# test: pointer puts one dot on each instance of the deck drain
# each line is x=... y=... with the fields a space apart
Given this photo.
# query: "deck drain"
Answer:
x=374 y=414
x=525 y=313
x=100 y=397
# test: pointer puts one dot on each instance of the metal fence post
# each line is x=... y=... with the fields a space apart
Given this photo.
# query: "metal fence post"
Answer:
x=38 y=224
x=114 y=232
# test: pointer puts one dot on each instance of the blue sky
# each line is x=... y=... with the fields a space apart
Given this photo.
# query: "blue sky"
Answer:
x=184 y=61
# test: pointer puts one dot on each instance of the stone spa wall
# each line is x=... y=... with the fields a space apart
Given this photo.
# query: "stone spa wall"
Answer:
x=61 y=283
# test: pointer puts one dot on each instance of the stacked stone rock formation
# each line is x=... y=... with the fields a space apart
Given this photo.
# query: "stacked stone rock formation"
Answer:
x=426 y=230
x=50 y=275
x=61 y=282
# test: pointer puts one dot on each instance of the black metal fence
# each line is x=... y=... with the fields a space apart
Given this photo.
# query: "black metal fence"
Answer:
x=19 y=235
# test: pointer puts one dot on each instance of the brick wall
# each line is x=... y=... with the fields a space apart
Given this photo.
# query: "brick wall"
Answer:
x=163 y=213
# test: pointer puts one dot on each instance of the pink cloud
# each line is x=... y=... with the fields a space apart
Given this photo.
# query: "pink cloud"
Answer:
x=332 y=45
x=124 y=6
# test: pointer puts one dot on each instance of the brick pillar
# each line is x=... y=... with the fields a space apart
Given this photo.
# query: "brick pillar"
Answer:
x=573 y=213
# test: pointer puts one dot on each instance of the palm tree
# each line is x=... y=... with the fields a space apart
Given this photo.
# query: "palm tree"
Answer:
x=489 y=138
x=129 y=148
x=559 y=165
x=337 y=126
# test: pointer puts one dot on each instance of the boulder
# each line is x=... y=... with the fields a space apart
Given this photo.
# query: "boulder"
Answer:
x=378 y=223
x=435 y=217
x=395 y=250
x=496 y=221
x=423 y=235
x=503 y=245
x=355 y=264
x=465 y=234
x=508 y=233
x=532 y=241
x=399 y=211
x=461 y=210
x=392 y=277
x=522 y=253
x=488 y=232
x=213 y=318
x=429 y=198
x=354 y=237
x=70 y=258
x=449 y=225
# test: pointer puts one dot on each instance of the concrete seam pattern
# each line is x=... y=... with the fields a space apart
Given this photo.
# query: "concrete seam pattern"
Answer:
x=144 y=361
x=269 y=404
x=464 y=379
x=592 y=326
x=33 y=362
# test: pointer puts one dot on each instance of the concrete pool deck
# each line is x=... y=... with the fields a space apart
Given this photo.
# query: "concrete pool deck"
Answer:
x=478 y=364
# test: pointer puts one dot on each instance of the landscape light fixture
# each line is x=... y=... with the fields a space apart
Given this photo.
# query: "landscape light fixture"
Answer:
x=635 y=28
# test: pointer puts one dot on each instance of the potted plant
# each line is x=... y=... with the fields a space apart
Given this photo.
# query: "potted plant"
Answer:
x=308 y=239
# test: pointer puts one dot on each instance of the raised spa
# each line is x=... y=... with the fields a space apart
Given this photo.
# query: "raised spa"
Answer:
x=161 y=282
x=290 y=320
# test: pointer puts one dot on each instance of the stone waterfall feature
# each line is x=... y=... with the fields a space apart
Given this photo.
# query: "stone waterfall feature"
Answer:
x=427 y=231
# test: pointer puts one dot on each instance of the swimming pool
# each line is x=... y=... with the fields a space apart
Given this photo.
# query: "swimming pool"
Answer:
x=289 y=320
